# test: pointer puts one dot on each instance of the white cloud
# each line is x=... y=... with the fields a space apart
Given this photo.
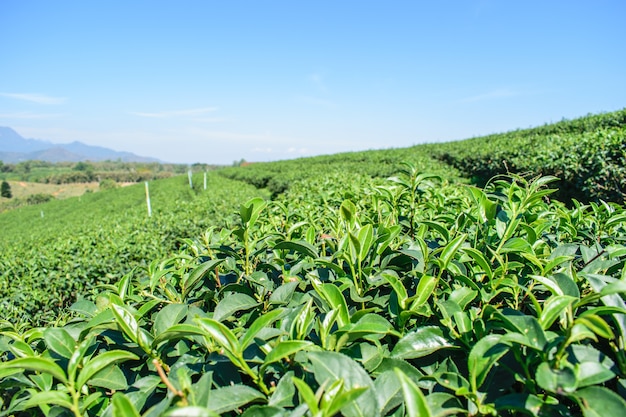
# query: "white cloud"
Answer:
x=29 y=115
x=209 y=119
x=262 y=150
x=174 y=113
x=222 y=134
x=492 y=95
x=317 y=101
x=35 y=98
x=298 y=151
x=318 y=81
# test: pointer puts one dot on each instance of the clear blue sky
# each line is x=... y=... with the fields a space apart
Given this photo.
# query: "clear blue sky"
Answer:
x=217 y=81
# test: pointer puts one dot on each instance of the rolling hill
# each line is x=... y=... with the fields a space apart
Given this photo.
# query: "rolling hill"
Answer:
x=15 y=148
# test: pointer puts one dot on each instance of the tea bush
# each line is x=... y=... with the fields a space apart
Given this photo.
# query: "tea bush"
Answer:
x=409 y=296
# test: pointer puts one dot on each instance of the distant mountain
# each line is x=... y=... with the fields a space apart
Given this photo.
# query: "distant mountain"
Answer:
x=14 y=148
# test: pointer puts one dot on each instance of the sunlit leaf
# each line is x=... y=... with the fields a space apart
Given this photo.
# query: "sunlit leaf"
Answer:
x=419 y=343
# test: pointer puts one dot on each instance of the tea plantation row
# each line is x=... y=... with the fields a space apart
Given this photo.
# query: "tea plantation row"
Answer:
x=362 y=287
x=351 y=296
x=51 y=254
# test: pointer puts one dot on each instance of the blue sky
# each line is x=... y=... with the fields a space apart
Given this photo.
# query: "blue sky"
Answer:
x=217 y=81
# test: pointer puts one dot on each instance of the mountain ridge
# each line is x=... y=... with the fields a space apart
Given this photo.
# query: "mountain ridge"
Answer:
x=14 y=148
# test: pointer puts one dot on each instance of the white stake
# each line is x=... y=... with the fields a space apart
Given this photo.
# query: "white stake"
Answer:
x=205 y=180
x=148 y=200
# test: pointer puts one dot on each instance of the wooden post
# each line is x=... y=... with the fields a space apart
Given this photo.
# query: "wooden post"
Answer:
x=148 y=200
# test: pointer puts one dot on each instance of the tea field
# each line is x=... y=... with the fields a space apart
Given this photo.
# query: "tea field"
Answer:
x=382 y=283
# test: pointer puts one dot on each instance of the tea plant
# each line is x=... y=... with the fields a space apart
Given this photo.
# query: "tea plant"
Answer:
x=409 y=296
x=71 y=246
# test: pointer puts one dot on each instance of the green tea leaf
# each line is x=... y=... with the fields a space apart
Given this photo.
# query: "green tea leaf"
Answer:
x=597 y=325
x=592 y=373
x=197 y=274
x=169 y=315
x=301 y=246
x=419 y=343
x=366 y=239
x=479 y=258
x=388 y=391
x=444 y=404
x=49 y=397
x=306 y=393
x=450 y=250
x=60 y=341
x=331 y=366
x=414 y=399
x=398 y=287
x=483 y=356
x=348 y=212
x=556 y=380
x=333 y=296
x=599 y=402
x=229 y=398
x=284 y=393
x=284 y=293
x=101 y=361
x=343 y=400
x=123 y=407
x=111 y=378
x=523 y=403
x=553 y=308
x=126 y=321
x=258 y=325
x=232 y=304
x=191 y=411
x=36 y=364
x=285 y=349
x=251 y=209
x=369 y=325
x=220 y=333
x=425 y=288
x=177 y=331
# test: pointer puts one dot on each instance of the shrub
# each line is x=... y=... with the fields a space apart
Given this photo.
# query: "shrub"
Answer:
x=39 y=198
x=5 y=190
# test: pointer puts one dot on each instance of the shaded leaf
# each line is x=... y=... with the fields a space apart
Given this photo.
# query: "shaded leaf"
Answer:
x=232 y=304
x=301 y=246
x=169 y=315
x=101 y=361
x=229 y=398
x=483 y=357
x=258 y=325
x=60 y=341
x=111 y=378
x=600 y=402
x=414 y=399
x=328 y=367
x=123 y=407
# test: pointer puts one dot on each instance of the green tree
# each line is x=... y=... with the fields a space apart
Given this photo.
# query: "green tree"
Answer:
x=5 y=190
x=83 y=166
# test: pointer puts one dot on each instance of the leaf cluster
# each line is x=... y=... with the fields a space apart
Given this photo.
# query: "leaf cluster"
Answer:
x=406 y=296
